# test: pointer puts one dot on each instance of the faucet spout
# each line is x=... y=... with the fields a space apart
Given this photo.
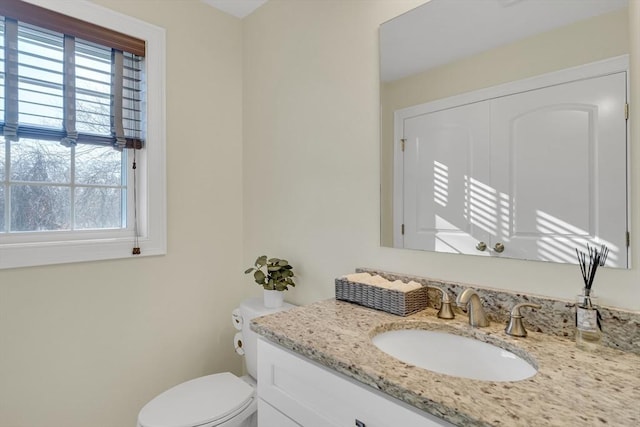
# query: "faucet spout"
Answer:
x=470 y=302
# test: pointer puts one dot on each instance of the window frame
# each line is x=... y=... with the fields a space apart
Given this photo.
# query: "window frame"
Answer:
x=32 y=249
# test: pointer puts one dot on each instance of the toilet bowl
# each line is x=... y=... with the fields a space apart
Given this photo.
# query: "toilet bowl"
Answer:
x=218 y=400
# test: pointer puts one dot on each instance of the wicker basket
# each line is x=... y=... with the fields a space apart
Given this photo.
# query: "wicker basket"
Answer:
x=389 y=300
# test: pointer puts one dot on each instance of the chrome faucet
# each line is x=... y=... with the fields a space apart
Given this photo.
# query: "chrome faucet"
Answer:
x=470 y=302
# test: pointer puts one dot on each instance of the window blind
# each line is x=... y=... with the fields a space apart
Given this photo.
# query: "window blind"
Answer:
x=55 y=86
x=45 y=18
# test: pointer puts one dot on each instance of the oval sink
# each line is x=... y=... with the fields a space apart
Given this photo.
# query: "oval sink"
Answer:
x=454 y=355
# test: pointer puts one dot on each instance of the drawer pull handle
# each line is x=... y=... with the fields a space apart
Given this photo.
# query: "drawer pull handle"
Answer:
x=360 y=423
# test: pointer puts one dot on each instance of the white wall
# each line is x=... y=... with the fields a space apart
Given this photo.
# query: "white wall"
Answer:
x=311 y=159
x=88 y=344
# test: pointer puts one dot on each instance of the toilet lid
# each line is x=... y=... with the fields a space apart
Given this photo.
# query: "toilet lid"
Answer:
x=196 y=402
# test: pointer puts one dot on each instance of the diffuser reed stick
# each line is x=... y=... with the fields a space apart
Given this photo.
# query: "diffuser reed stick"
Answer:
x=588 y=267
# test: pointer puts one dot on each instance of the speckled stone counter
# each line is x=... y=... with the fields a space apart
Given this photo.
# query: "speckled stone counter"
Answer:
x=572 y=387
x=620 y=328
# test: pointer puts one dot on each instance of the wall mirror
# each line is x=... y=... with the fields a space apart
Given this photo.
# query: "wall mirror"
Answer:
x=504 y=128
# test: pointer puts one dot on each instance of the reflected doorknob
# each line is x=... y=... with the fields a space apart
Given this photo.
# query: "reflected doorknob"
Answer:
x=499 y=247
x=481 y=246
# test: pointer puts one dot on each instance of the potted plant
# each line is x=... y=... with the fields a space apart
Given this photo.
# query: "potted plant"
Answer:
x=275 y=275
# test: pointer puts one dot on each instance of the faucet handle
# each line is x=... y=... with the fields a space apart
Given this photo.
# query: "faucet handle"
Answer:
x=446 y=310
x=515 y=328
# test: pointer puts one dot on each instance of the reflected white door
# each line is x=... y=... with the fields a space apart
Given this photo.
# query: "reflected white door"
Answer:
x=558 y=161
x=448 y=205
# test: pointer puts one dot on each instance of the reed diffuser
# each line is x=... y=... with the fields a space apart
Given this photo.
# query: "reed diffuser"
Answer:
x=588 y=325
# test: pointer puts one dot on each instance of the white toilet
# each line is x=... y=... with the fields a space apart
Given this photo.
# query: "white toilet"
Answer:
x=218 y=400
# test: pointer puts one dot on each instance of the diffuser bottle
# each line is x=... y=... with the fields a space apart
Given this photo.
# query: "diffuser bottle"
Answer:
x=588 y=329
x=588 y=325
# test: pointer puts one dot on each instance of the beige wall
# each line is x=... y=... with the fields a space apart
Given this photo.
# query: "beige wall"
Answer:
x=311 y=159
x=88 y=344
x=591 y=40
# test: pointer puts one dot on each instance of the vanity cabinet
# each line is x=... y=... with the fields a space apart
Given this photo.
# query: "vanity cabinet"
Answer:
x=294 y=391
x=531 y=174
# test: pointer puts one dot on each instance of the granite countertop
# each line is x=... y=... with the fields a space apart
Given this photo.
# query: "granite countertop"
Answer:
x=572 y=387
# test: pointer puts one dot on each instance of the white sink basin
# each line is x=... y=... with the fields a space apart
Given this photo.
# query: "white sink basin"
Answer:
x=454 y=355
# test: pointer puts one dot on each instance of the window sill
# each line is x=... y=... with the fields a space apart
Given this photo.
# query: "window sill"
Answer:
x=15 y=255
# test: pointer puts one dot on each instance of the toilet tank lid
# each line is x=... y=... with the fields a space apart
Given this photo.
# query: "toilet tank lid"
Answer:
x=254 y=307
x=197 y=402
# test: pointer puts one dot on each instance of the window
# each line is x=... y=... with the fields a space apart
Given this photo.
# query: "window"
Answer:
x=76 y=100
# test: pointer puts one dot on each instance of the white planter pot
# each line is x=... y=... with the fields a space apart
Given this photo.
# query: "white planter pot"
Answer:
x=273 y=299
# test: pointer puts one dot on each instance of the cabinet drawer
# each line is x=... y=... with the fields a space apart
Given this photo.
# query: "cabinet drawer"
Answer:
x=268 y=416
x=314 y=396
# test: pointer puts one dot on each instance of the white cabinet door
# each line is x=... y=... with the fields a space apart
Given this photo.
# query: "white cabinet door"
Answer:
x=542 y=172
x=313 y=396
x=446 y=169
x=559 y=169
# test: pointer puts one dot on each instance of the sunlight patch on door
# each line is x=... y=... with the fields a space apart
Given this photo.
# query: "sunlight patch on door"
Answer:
x=483 y=205
x=557 y=240
x=440 y=183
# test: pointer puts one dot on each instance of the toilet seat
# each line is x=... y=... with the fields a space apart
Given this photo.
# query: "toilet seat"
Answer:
x=202 y=402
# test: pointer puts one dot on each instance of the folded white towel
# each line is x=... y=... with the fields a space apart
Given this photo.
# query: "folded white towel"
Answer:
x=397 y=285
x=381 y=282
x=368 y=279
x=358 y=277
x=404 y=287
x=412 y=285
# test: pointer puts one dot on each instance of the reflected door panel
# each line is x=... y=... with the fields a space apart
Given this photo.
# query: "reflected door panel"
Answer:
x=535 y=168
x=564 y=148
x=447 y=205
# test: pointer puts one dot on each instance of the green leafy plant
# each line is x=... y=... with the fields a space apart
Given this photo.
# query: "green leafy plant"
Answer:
x=272 y=274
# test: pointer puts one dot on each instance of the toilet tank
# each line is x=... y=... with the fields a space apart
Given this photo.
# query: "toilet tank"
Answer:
x=249 y=309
